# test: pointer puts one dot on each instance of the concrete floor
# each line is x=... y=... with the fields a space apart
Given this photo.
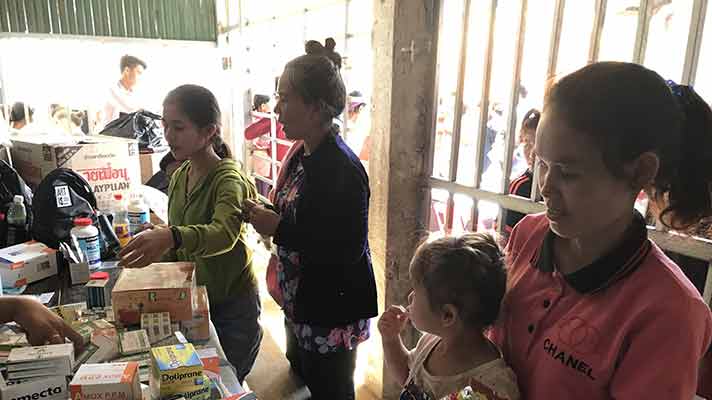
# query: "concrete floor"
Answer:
x=271 y=378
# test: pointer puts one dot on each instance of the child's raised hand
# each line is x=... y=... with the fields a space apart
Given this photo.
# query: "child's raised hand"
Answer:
x=392 y=322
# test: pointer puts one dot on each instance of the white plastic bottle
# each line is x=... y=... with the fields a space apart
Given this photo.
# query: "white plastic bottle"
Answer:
x=121 y=220
x=138 y=214
x=16 y=221
x=88 y=238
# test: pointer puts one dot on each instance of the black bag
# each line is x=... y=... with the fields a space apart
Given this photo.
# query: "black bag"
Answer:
x=141 y=125
x=11 y=184
x=62 y=196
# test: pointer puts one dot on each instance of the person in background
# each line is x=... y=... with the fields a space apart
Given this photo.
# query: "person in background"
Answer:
x=122 y=97
x=593 y=307
x=522 y=186
x=458 y=285
x=162 y=179
x=259 y=133
x=41 y=325
x=322 y=275
x=357 y=136
x=205 y=223
x=20 y=116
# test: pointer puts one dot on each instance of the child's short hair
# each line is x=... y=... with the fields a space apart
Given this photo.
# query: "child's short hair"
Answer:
x=467 y=272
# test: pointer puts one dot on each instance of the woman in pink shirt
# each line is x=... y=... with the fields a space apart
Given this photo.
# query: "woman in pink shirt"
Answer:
x=594 y=309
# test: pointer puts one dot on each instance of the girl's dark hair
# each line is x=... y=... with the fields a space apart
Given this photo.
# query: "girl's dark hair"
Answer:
x=531 y=119
x=627 y=110
x=201 y=107
x=316 y=78
x=467 y=272
x=258 y=101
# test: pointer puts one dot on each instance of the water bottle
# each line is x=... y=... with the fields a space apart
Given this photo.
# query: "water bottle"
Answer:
x=88 y=238
x=121 y=220
x=16 y=221
x=138 y=214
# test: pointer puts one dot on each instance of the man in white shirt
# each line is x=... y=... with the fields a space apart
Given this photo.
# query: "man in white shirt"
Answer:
x=122 y=96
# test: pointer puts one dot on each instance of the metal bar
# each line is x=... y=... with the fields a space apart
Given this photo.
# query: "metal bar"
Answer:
x=429 y=160
x=263 y=179
x=21 y=16
x=484 y=96
x=131 y=18
x=273 y=145
x=31 y=15
x=641 y=35
x=682 y=244
x=42 y=7
x=598 y=23
x=63 y=17
x=449 y=213
x=13 y=13
x=457 y=120
x=4 y=23
x=555 y=38
x=272 y=161
x=148 y=21
x=187 y=44
x=118 y=19
x=694 y=42
x=213 y=25
x=510 y=133
x=707 y=293
x=85 y=23
x=71 y=13
x=54 y=16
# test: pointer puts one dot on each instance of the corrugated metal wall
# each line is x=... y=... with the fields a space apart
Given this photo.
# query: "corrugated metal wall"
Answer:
x=154 y=19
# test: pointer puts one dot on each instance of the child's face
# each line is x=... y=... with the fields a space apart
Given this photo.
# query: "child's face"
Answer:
x=421 y=314
x=583 y=199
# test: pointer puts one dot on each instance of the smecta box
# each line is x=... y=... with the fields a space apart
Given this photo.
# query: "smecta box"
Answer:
x=112 y=381
x=175 y=369
x=50 y=388
x=160 y=287
x=109 y=164
x=26 y=263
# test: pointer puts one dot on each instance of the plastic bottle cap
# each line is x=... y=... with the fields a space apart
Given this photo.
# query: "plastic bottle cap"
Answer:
x=18 y=199
x=2 y=217
x=82 y=221
x=118 y=196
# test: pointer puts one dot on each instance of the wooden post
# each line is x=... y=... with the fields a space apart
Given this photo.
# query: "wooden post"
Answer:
x=404 y=42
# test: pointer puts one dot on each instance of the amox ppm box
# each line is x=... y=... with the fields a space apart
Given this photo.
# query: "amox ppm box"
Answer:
x=112 y=381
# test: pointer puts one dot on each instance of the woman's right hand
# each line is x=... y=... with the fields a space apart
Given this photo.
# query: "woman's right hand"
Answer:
x=392 y=322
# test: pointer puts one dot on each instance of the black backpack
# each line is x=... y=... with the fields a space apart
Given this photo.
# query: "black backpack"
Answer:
x=11 y=184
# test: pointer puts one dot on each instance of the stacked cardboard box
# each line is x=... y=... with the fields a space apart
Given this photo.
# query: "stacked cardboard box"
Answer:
x=110 y=165
x=160 y=287
x=40 y=361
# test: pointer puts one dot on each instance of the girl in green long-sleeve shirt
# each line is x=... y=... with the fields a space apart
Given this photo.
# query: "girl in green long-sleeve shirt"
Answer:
x=205 y=223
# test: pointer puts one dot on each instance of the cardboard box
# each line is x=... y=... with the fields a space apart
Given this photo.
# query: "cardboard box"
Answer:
x=55 y=359
x=160 y=287
x=26 y=263
x=150 y=164
x=49 y=388
x=112 y=381
x=198 y=328
x=175 y=369
x=109 y=164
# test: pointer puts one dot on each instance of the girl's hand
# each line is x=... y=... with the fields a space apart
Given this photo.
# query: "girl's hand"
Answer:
x=146 y=248
x=42 y=325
